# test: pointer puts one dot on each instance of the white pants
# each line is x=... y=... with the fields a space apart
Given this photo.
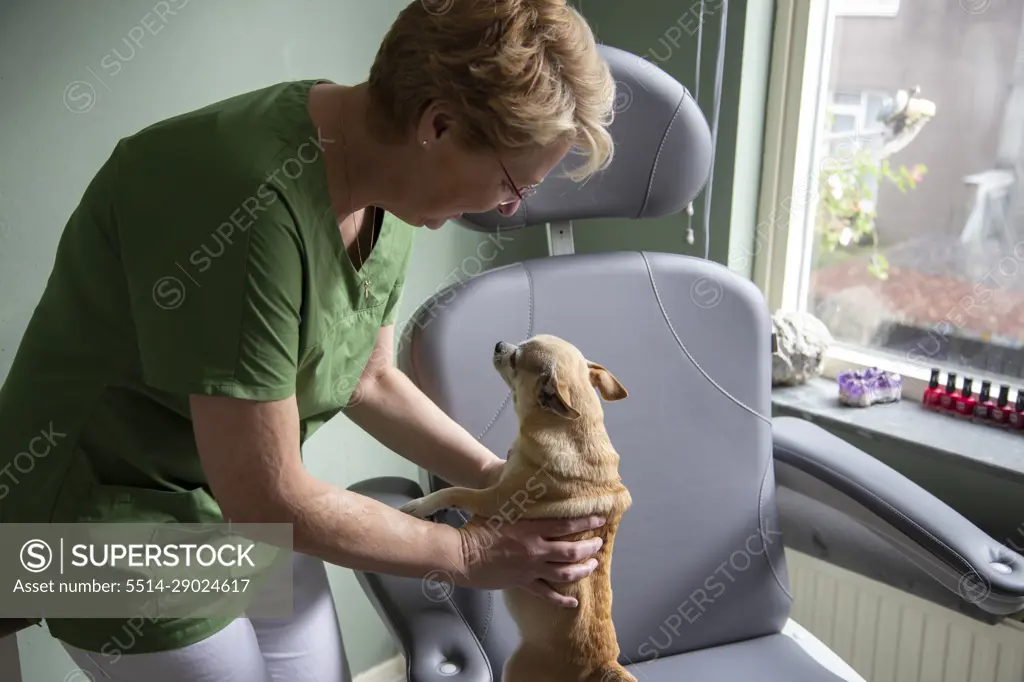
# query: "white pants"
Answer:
x=305 y=647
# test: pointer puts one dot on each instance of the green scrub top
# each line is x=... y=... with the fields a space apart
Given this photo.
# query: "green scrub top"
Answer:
x=204 y=257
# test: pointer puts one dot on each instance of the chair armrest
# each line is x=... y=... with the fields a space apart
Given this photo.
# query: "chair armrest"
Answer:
x=818 y=530
x=437 y=643
x=951 y=549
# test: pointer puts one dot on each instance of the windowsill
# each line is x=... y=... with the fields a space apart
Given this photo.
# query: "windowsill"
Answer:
x=908 y=423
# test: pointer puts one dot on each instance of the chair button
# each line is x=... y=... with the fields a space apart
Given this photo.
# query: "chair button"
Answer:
x=448 y=668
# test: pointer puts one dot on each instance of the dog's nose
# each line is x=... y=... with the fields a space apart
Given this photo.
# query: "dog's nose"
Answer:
x=503 y=348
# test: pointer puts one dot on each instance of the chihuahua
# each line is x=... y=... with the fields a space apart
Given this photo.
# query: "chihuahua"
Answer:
x=561 y=465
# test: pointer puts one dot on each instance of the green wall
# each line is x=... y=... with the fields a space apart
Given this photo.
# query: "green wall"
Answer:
x=203 y=52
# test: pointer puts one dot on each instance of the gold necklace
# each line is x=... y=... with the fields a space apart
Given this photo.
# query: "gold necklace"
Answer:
x=355 y=228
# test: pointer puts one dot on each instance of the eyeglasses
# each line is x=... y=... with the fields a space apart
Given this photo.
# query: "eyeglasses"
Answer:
x=522 y=193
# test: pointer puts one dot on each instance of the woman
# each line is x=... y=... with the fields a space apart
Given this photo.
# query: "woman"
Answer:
x=230 y=271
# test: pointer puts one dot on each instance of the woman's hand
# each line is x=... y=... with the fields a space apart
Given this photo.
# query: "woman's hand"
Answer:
x=529 y=554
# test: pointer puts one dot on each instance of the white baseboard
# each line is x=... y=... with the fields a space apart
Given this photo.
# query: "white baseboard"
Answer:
x=391 y=670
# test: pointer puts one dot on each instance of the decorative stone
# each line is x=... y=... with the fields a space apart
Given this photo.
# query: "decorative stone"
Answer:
x=801 y=343
x=861 y=388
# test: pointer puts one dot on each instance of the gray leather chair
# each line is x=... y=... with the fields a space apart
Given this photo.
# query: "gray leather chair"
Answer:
x=699 y=574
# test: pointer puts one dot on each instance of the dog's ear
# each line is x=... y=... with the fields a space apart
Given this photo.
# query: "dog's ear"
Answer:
x=606 y=383
x=552 y=395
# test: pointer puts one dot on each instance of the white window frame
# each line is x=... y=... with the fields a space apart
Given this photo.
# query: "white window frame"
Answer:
x=858 y=111
x=801 y=56
x=866 y=8
x=799 y=61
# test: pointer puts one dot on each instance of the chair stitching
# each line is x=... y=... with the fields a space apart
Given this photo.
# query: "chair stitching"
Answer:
x=529 y=333
x=760 y=525
x=760 y=495
x=679 y=342
x=489 y=614
x=479 y=642
x=661 y=146
x=489 y=617
x=409 y=657
x=99 y=667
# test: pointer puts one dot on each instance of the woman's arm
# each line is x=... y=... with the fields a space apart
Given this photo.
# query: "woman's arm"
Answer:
x=388 y=406
x=250 y=453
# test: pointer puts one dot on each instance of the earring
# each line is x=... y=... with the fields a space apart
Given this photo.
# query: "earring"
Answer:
x=424 y=142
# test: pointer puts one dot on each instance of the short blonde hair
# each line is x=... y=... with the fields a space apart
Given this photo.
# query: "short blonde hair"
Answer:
x=523 y=73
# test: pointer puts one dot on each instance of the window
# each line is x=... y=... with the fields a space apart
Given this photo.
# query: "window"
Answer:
x=867 y=8
x=852 y=122
x=895 y=149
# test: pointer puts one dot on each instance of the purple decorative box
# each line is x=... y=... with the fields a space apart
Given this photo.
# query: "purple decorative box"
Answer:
x=862 y=388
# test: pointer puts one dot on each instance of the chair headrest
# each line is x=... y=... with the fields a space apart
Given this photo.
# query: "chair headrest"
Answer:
x=662 y=156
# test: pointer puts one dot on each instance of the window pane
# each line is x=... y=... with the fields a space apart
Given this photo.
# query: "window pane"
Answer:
x=843 y=123
x=918 y=244
x=875 y=104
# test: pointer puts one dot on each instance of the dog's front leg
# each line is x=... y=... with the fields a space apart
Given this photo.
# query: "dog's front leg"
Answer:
x=476 y=502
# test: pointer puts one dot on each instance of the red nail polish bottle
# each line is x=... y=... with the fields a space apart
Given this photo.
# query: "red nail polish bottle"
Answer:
x=966 y=402
x=1017 y=417
x=983 y=409
x=947 y=401
x=1000 y=414
x=933 y=393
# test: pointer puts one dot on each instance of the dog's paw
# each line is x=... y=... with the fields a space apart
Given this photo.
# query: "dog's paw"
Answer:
x=417 y=508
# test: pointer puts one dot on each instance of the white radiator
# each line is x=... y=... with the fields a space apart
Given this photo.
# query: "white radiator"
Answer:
x=890 y=636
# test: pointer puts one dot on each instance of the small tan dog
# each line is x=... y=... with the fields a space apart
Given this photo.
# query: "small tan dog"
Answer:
x=561 y=465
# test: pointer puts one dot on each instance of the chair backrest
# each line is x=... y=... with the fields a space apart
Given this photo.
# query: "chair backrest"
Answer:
x=698 y=559
x=662 y=156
